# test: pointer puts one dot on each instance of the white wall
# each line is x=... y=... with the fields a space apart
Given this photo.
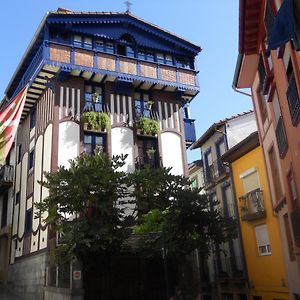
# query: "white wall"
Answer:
x=122 y=143
x=239 y=128
x=172 y=152
x=68 y=142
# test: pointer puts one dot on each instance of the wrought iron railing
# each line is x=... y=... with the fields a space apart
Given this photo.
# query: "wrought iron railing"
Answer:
x=293 y=100
x=281 y=137
x=214 y=171
x=6 y=175
x=252 y=205
x=151 y=160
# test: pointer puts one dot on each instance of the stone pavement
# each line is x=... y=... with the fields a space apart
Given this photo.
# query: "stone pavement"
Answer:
x=7 y=294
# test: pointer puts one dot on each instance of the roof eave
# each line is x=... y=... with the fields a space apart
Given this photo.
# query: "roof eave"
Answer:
x=242 y=148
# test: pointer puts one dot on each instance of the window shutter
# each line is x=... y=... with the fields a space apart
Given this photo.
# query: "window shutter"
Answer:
x=262 y=238
x=251 y=182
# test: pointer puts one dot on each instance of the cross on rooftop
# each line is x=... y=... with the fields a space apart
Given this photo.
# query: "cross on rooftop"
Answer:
x=128 y=5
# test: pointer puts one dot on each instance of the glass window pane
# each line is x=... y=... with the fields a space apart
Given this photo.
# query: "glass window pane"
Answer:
x=160 y=58
x=100 y=45
x=129 y=51
x=98 y=140
x=150 y=56
x=109 y=47
x=88 y=88
x=87 y=139
x=88 y=42
x=88 y=98
x=141 y=54
x=98 y=89
x=160 y=55
x=77 y=40
x=169 y=59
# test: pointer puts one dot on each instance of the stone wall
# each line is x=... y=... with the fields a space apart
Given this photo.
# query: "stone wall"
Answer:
x=27 y=276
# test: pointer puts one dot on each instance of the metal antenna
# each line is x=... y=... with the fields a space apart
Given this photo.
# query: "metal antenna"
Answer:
x=128 y=5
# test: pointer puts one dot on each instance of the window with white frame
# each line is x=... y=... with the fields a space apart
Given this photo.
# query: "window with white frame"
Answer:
x=262 y=239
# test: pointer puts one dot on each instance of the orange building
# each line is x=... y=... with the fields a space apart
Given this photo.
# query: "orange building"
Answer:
x=269 y=65
x=258 y=225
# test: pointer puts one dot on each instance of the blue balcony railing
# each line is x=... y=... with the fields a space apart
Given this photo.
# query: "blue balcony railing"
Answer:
x=31 y=70
x=189 y=130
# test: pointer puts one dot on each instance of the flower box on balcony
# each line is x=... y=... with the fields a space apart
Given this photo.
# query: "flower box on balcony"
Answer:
x=96 y=121
x=147 y=126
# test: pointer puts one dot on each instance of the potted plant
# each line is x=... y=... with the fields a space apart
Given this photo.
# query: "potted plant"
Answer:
x=148 y=126
x=96 y=120
x=103 y=120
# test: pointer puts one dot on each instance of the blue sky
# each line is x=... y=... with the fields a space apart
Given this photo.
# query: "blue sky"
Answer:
x=211 y=24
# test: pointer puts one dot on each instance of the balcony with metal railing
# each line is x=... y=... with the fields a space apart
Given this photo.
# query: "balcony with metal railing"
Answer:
x=293 y=100
x=252 y=206
x=148 y=160
x=6 y=176
x=215 y=171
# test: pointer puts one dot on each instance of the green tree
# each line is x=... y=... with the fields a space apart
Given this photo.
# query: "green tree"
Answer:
x=87 y=203
x=188 y=219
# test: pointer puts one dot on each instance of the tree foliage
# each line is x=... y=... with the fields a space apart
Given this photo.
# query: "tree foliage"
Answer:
x=96 y=206
x=187 y=218
x=87 y=203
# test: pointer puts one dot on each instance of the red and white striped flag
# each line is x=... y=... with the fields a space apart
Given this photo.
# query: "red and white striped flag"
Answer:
x=9 y=122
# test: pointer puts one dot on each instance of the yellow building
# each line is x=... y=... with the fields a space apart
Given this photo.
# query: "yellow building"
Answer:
x=258 y=224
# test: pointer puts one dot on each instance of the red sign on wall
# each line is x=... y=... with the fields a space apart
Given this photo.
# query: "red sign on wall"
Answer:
x=76 y=275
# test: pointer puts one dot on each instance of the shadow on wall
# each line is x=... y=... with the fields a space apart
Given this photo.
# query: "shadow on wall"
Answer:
x=127 y=144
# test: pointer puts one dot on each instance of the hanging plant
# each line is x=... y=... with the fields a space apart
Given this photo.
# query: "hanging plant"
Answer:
x=96 y=120
x=148 y=126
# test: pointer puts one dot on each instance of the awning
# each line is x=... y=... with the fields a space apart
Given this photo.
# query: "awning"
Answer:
x=286 y=26
x=9 y=122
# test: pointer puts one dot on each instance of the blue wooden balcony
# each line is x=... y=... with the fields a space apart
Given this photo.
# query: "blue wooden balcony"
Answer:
x=189 y=130
x=52 y=59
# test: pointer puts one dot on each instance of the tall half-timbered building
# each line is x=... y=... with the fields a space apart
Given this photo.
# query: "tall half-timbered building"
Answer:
x=106 y=62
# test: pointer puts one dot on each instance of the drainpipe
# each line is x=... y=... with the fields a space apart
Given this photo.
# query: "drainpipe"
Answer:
x=241 y=92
